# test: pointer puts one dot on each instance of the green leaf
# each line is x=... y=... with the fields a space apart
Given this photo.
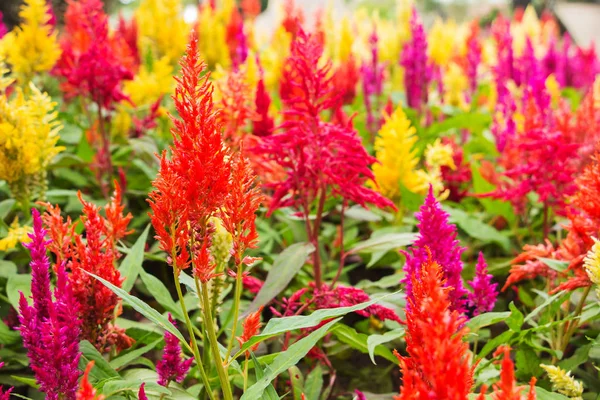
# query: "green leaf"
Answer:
x=558 y=266
x=515 y=320
x=410 y=200
x=477 y=229
x=492 y=206
x=270 y=393
x=127 y=358
x=8 y=336
x=375 y=340
x=297 y=380
x=143 y=309
x=491 y=345
x=545 y=304
x=276 y=326
x=359 y=213
x=487 y=319
x=31 y=382
x=7 y=268
x=161 y=294
x=285 y=360
x=358 y=341
x=284 y=269
x=314 y=383
x=102 y=369
x=111 y=388
x=132 y=263
x=5 y=207
x=384 y=243
x=16 y=284
x=543 y=394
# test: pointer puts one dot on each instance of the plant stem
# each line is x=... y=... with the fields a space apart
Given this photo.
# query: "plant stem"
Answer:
x=546 y=228
x=246 y=373
x=315 y=240
x=214 y=344
x=236 y=309
x=342 y=252
x=189 y=325
x=575 y=323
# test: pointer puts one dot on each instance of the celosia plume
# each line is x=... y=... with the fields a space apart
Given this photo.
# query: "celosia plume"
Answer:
x=142 y=392
x=483 y=297
x=563 y=382
x=172 y=367
x=507 y=388
x=50 y=327
x=251 y=327
x=263 y=125
x=417 y=73
x=437 y=240
x=86 y=391
x=438 y=365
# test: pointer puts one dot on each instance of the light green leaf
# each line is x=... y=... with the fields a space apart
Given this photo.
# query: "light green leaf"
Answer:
x=477 y=229
x=111 y=388
x=125 y=359
x=5 y=207
x=375 y=340
x=314 y=383
x=284 y=269
x=132 y=263
x=545 y=304
x=102 y=369
x=285 y=360
x=386 y=242
x=16 y=284
x=161 y=294
x=487 y=319
x=558 y=266
x=358 y=341
x=8 y=336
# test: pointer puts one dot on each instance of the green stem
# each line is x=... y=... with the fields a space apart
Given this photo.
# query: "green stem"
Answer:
x=214 y=344
x=575 y=323
x=190 y=327
x=236 y=309
x=246 y=374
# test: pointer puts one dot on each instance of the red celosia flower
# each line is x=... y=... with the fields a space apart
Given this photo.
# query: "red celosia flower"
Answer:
x=320 y=158
x=438 y=364
x=144 y=124
x=93 y=63
x=96 y=254
x=507 y=388
x=456 y=180
x=236 y=38
x=251 y=8
x=128 y=30
x=236 y=108
x=528 y=265
x=293 y=17
x=345 y=78
x=252 y=284
x=86 y=390
x=263 y=124
x=251 y=327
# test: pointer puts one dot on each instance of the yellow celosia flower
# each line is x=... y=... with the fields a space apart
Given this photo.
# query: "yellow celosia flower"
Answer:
x=553 y=89
x=273 y=57
x=345 y=42
x=529 y=27
x=563 y=382
x=222 y=242
x=441 y=41
x=591 y=263
x=438 y=155
x=28 y=137
x=251 y=70
x=16 y=234
x=31 y=47
x=151 y=82
x=162 y=29
x=212 y=40
x=394 y=149
x=455 y=86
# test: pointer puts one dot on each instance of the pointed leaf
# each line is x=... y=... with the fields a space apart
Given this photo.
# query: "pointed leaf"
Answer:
x=132 y=263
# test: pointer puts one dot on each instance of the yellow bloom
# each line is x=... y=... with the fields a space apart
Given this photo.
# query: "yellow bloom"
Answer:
x=212 y=36
x=554 y=89
x=31 y=47
x=28 y=137
x=438 y=155
x=441 y=41
x=591 y=263
x=16 y=234
x=273 y=57
x=455 y=86
x=162 y=29
x=345 y=42
x=222 y=242
x=394 y=149
x=151 y=82
x=563 y=382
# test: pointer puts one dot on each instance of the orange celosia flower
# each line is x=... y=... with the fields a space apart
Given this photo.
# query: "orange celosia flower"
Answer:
x=438 y=364
x=86 y=390
x=507 y=388
x=251 y=327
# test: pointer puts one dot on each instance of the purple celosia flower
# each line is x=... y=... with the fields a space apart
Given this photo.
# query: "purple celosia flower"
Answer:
x=551 y=63
x=527 y=65
x=585 y=67
x=50 y=328
x=142 y=392
x=372 y=80
x=504 y=68
x=503 y=128
x=438 y=237
x=359 y=395
x=484 y=293
x=172 y=367
x=417 y=73
x=4 y=395
x=242 y=46
x=473 y=61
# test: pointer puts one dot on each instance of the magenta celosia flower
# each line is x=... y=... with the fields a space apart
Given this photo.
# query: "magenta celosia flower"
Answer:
x=142 y=392
x=527 y=65
x=4 y=395
x=551 y=63
x=321 y=159
x=172 y=367
x=263 y=125
x=473 y=58
x=504 y=68
x=503 y=127
x=372 y=74
x=585 y=66
x=483 y=297
x=50 y=328
x=359 y=395
x=417 y=73
x=3 y=28
x=438 y=237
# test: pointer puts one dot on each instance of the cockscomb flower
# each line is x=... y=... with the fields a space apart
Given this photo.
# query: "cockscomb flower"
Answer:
x=94 y=63
x=150 y=83
x=128 y=30
x=263 y=125
x=320 y=158
x=16 y=234
x=456 y=180
x=50 y=327
x=251 y=327
x=437 y=239
x=417 y=73
x=28 y=137
x=483 y=297
x=96 y=254
x=192 y=184
x=86 y=391
x=456 y=85
x=142 y=392
x=473 y=57
x=237 y=40
x=31 y=47
x=172 y=367
x=507 y=388
x=4 y=394
x=372 y=75
x=563 y=382
x=438 y=364
x=345 y=77
x=162 y=29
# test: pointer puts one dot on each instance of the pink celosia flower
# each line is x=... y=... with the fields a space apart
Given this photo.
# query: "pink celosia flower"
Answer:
x=372 y=74
x=3 y=28
x=473 y=57
x=263 y=125
x=437 y=239
x=252 y=284
x=417 y=73
x=142 y=392
x=172 y=367
x=359 y=395
x=4 y=395
x=483 y=297
x=50 y=328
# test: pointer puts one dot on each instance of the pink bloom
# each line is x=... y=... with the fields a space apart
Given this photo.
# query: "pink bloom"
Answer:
x=142 y=392
x=417 y=73
x=372 y=74
x=484 y=293
x=3 y=28
x=263 y=125
x=172 y=367
x=252 y=284
x=4 y=395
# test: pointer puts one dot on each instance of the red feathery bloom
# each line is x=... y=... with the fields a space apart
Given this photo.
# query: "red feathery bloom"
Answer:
x=128 y=30
x=507 y=388
x=251 y=327
x=293 y=17
x=171 y=367
x=86 y=390
x=457 y=180
x=93 y=63
x=96 y=254
x=251 y=8
x=263 y=124
x=236 y=108
x=438 y=364
x=252 y=284
x=236 y=38
x=193 y=183
x=528 y=265
x=345 y=78
x=320 y=158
